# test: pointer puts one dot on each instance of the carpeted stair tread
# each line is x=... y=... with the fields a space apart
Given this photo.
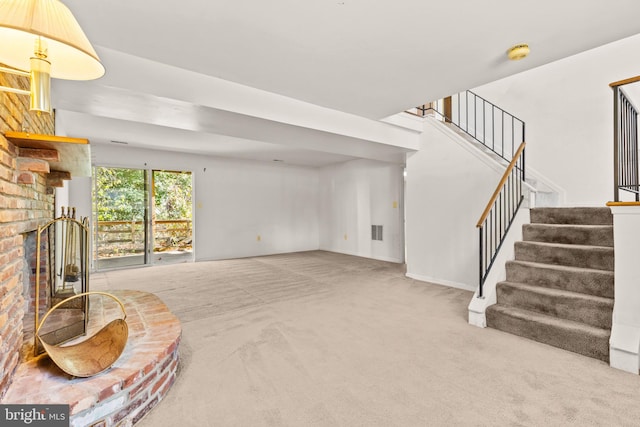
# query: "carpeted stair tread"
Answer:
x=566 y=334
x=589 y=309
x=588 y=216
x=591 y=235
x=559 y=289
x=584 y=280
x=584 y=256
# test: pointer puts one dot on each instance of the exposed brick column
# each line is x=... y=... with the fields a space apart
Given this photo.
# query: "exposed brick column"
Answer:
x=24 y=205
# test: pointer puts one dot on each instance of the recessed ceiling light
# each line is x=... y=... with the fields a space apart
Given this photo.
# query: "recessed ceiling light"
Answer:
x=518 y=52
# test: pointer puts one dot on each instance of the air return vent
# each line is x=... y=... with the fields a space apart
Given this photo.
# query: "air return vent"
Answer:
x=376 y=232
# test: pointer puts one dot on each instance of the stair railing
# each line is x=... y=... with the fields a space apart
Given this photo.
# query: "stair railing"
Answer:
x=504 y=134
x=626 y=171
x=488 y=124
x=496 y=220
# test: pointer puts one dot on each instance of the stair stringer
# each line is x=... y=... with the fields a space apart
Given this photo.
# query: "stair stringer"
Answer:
x=478 y=306
x=547 y=193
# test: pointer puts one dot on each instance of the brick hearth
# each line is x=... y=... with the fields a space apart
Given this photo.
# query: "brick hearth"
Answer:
x=123 y=394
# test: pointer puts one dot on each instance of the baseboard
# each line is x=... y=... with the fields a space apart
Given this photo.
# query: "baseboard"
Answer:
x=254 y=255
x=441 y=282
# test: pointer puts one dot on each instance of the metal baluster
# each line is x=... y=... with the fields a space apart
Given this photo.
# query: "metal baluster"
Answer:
x=502 y=127
x=523 y=158
x=493 y=124
x=484 y=124
x=475 y=116
x=466 y=105
x=513 y=137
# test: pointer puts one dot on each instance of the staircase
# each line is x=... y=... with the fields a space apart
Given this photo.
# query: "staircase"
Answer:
x=559 y=288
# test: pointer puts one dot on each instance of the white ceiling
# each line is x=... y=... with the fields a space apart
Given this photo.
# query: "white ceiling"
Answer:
x=371 y=58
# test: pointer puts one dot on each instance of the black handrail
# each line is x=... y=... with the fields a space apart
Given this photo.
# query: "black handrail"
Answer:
x=488 y=124
x=496 y=220
x=626 y=176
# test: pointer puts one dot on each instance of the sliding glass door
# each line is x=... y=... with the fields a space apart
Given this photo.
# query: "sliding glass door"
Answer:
x=120 y=217
x=141 y=217
x=171 y=220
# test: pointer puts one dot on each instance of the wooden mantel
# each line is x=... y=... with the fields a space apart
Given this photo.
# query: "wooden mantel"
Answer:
x=74 y=153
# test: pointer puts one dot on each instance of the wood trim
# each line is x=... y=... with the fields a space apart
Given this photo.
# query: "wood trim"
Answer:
x=505 y=176
x=74 y=153
x=446 y=106
x=31 y=140
x=623 y=204
x=625 y=81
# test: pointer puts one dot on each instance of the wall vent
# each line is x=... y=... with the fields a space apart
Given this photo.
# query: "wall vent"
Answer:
x=376 y=232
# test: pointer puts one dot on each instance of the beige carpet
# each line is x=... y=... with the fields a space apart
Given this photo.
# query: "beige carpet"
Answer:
x=322 y=339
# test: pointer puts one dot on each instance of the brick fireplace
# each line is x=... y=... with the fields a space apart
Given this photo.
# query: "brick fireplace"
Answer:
x=25 y=203
x=147 y=368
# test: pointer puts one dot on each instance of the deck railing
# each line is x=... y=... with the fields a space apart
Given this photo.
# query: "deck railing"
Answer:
x=120 y=238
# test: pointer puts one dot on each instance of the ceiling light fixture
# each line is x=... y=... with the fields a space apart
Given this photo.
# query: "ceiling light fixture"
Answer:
x=42 y=36
x=518 y=52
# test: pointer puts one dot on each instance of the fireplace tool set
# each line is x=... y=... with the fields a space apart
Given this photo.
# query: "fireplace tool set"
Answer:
x=66 y=242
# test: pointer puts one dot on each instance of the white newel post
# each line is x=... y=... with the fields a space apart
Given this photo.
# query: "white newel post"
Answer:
x=478 y=306
x=624 y=345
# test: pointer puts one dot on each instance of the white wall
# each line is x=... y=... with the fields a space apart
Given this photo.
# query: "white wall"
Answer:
x=78 y=189
x=355 y=195
x=61 y=198
x=235 y=201
x=568 y=109
x=449 y=183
